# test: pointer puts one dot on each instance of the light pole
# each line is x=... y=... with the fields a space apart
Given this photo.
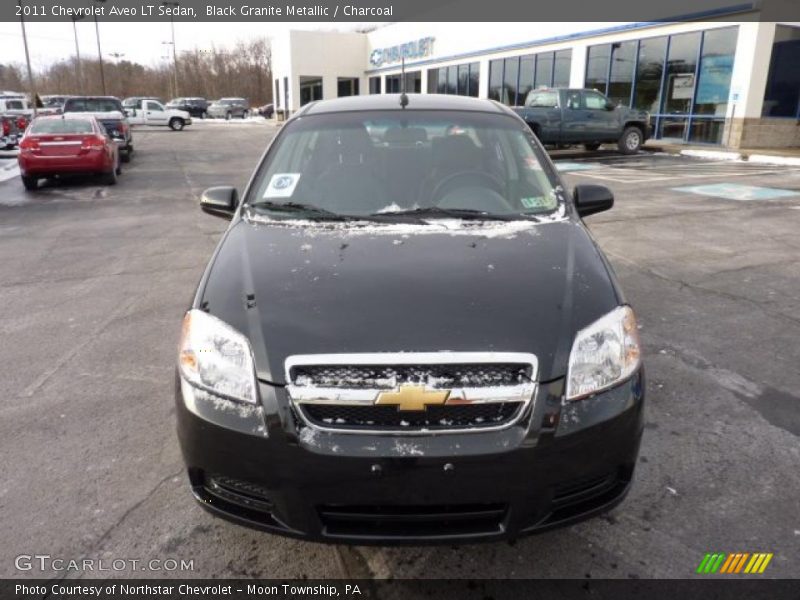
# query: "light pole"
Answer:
x=78 y=72
x=174 y=49
x=28 y=59
x=99 y=51
x=117 y=56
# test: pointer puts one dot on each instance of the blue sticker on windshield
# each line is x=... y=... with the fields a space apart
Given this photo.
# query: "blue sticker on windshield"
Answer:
x=282 y=185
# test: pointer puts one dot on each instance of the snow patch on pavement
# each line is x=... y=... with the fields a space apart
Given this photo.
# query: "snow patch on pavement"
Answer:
x=9 y=169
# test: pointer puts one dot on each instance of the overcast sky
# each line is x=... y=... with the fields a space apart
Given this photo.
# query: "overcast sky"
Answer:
x=139 y=42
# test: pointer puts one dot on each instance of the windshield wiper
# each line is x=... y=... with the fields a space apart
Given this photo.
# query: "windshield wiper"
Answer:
x=312 y=211
x=457 y=213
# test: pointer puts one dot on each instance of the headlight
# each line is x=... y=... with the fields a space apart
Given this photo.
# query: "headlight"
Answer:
x=217 y=358
x=603 y=354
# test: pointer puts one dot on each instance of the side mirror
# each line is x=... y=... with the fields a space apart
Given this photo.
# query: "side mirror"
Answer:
x=220 y=201
x=610 y=105
x=591 y=199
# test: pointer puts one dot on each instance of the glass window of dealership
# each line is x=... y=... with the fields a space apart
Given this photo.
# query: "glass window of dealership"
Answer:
x=683 y=76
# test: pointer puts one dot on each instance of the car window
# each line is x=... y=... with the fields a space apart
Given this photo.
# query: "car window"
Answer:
x=65 y=126
x=92 y=105
x=594 y=101
x=542 y=99
x=155 y=106
x=573 y=100
x=14 y=104
x=359 y=164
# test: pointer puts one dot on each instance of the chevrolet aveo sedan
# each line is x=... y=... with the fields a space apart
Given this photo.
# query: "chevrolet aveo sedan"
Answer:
x=407 y=335
x=58 y=145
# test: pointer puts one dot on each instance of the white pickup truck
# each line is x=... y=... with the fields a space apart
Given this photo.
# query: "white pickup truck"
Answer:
x=153 y=113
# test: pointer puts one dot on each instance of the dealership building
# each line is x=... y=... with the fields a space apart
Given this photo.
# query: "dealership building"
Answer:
x=719 y=81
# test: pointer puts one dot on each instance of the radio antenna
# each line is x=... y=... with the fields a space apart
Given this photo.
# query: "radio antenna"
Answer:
x=403 y=95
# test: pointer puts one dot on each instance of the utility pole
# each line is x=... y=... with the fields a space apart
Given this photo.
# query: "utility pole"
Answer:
x=78 y=71
x=174 y=49
x=100 y=52
x=117 y=56
x=28 y=60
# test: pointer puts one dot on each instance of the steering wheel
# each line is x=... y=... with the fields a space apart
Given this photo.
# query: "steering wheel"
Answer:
x=462 y=179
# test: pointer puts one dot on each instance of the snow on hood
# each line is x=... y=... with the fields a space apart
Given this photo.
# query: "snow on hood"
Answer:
x=451 y=226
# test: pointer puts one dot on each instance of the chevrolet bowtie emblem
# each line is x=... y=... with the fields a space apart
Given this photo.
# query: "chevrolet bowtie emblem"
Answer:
x=413 y=397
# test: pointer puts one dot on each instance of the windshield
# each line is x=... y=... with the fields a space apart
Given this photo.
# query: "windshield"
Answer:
x=423 y=163
x=62 y=126
x=92 y=105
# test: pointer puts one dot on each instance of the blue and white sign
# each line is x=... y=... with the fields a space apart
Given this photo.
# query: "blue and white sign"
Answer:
x=394 y=54
x=282 y=185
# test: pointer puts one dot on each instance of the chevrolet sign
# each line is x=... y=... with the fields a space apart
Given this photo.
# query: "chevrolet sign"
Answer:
x=393 y=54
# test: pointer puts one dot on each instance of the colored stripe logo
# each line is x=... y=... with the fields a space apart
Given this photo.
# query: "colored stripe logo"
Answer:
x=734 y=563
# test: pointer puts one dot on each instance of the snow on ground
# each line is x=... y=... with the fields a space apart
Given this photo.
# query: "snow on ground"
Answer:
x=9 y=169
x=234 y=121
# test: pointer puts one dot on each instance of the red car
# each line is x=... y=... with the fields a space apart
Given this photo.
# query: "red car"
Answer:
x=55 y=145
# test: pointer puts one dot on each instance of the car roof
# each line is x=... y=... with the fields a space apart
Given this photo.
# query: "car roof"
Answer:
x=93 y=98
x=415 y=102
x=72 y=117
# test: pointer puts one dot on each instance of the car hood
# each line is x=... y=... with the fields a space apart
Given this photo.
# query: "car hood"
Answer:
x=462 y=286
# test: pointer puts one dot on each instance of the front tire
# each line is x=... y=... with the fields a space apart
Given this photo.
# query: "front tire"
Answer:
x=631 y=140
x=30 y=183
x=228 y=116
x=176 y=124
x=126 y=155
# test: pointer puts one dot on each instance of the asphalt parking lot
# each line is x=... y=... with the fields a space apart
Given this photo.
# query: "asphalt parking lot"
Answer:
x=94 y=281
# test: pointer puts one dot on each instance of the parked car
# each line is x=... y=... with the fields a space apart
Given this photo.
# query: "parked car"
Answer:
x=579 y=116
x=10 y=132
x=12 y=103
x=267 y=110
x=53 y=104
x=109 y=112
x=153 y=113
x=67 y=145
x=407 y=334
x=227 y=108
x=196 y=107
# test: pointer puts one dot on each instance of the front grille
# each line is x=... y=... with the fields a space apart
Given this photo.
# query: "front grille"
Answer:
x=411 y=392
x=413 y=521
x=435 y=376
x=460 y=416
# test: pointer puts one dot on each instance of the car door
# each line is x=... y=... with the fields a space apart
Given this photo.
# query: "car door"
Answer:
x=573 y=117
x=601 y=118
x=154 y=113
x=135 y=113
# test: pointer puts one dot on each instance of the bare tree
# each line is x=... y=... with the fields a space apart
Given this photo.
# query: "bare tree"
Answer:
x=244 y=71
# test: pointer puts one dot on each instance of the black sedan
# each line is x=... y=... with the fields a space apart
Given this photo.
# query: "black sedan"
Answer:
x=407 y=335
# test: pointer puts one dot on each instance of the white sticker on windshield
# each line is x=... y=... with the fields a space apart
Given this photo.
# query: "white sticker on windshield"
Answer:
x=282 y=185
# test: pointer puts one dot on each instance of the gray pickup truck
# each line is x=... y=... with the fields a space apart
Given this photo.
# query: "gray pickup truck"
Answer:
x=577 y=116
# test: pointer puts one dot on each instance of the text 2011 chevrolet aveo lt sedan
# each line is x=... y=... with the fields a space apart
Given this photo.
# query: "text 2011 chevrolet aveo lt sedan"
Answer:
x=407 y=335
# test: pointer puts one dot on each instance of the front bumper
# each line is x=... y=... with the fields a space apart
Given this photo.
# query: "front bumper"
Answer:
x=256 y=466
